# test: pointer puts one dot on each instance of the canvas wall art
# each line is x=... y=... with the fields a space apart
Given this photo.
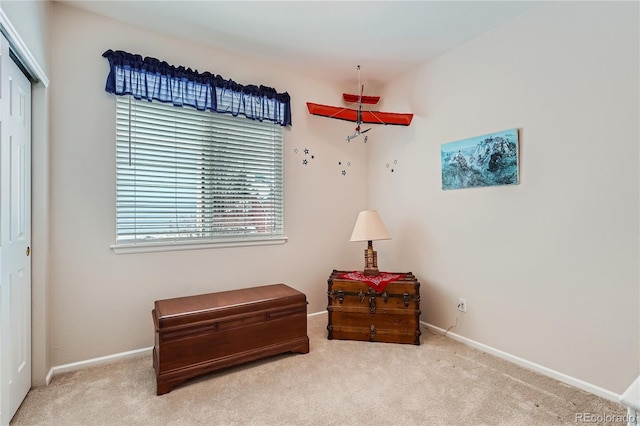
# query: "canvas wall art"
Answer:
x=486 y=160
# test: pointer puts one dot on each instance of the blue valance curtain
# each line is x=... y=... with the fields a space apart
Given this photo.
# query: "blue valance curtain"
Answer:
x=151 y=79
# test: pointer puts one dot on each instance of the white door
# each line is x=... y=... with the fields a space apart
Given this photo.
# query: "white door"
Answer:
x=15 y=235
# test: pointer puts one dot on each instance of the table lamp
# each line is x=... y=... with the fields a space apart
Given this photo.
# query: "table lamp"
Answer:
x=369 y=227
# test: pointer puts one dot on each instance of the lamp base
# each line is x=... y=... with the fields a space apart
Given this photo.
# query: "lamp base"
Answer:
x=370 y=260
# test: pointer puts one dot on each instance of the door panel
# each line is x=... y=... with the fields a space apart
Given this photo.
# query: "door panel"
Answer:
x=15 y=235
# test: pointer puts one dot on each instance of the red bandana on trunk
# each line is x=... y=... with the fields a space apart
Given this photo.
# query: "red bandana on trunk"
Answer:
x=376 y=282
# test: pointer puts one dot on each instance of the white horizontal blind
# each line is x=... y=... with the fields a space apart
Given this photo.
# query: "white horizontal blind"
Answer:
x=187 y=175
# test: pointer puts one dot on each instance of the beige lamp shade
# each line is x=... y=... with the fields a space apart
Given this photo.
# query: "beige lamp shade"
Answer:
x=369 y=227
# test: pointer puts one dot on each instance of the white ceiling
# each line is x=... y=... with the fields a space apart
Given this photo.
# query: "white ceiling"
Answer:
x=325 y=39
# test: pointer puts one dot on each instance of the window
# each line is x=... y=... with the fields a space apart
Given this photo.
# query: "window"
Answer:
x=190 y=178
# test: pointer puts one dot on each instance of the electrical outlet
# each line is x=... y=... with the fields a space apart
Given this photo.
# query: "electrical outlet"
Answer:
x=462 y=305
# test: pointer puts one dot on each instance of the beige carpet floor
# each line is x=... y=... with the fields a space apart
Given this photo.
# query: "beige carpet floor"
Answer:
x=440 y=382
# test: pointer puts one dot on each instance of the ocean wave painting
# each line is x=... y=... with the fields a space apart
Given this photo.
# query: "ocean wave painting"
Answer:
x=486 y=160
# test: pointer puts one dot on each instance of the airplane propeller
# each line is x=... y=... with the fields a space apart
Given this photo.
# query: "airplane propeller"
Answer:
x=357 y=133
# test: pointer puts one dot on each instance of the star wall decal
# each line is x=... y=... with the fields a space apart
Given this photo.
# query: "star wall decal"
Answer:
x=343 y=171
x=307 y=154
x=391 y=167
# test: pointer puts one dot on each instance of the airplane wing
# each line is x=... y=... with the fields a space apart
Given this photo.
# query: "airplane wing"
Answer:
x=370 y=117
x=352 y=99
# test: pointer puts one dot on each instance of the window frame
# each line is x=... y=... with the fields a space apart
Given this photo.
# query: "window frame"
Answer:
x=122 y=246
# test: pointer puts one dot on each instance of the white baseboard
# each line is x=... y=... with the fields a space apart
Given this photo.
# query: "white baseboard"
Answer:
x=74 y=366
x=580 y=384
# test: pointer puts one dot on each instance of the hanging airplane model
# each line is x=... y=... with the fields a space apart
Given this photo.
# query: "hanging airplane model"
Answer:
x=358 y=115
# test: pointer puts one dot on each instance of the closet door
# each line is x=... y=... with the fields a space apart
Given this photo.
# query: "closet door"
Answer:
x=15 y=235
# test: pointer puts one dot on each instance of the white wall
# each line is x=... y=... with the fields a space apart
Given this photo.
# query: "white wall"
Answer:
x=549 y=268
x=101 y=302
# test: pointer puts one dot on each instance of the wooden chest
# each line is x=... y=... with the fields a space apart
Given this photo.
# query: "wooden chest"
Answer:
x=357 y=311
x=199 y=334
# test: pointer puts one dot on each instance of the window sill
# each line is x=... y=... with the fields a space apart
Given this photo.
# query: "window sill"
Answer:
x=129 y=248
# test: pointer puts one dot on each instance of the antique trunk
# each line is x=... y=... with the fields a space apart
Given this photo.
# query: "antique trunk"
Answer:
x=199 y=334
x=384 y=308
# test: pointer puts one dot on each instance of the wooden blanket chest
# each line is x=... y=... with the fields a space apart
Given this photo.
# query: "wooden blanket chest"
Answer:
x=357 y=311
x=198 y=334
